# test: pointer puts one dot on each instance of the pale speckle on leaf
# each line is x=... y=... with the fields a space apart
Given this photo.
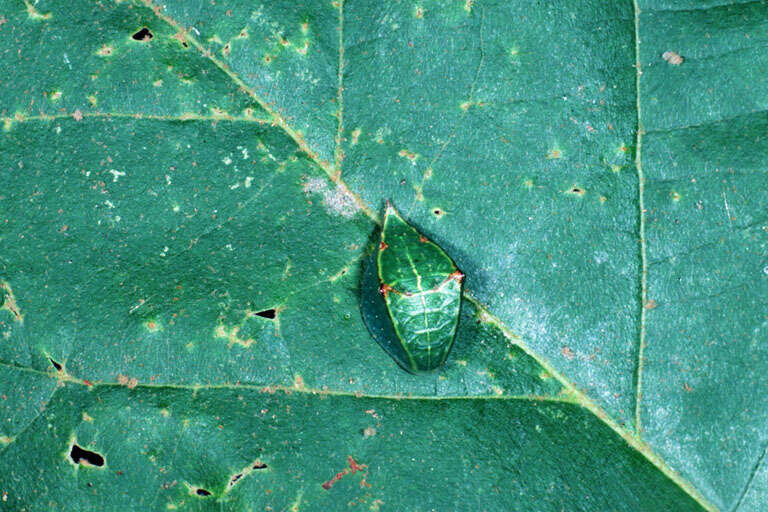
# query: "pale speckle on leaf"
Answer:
x=336 y=200
x=672 y=57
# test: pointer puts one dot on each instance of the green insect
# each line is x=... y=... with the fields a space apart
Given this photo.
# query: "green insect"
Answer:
x=421 y=287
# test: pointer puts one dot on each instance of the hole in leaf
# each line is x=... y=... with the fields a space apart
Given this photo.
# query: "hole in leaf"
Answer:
x=202 y=492
x=55 y=364
x=82 y=456
x=259 y=465
x=437 y=211
x=142 y=35
x=267 y=313
x=235 y=478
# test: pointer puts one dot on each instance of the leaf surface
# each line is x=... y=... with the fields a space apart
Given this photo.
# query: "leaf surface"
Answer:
x=184 y=220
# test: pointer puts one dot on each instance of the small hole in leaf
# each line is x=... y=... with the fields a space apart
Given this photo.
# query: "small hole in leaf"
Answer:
x=437 y=211
x=142 y=35
x=267 y=313
x=202 y=492
x=235 y=478
x=85 y=457
x=259 y=465
x=55 y=364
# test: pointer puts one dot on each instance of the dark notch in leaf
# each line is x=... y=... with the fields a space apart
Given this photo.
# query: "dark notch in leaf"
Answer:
x=235 y=478
x=259 y=465
x=267 y=313
x=55 y=364
x=202 y=492
x=142 y=35
x=85 y=457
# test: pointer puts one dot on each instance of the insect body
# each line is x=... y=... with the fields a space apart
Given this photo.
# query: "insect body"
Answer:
x=421 y=287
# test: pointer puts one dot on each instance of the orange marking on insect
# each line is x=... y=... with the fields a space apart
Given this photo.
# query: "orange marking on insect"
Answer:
x=383 y=245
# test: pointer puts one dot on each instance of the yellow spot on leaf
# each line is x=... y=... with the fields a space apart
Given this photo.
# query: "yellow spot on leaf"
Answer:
x=153 y=325
x=355 y=135
x=232 y=335
x=554 y=154
x=9 y=302
x=33 y=14
x=408 y=154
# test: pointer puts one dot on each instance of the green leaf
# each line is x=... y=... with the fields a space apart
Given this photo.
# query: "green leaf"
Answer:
x=185 y=222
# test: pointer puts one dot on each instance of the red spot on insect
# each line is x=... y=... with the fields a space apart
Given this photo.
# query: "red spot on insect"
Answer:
x=87 y=382
x=383 y=245
x=353 y=468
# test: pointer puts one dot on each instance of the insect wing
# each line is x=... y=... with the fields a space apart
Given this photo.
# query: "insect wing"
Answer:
x=422 y=292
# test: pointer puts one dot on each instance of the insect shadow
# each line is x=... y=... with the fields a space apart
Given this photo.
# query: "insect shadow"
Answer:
x=372 y=305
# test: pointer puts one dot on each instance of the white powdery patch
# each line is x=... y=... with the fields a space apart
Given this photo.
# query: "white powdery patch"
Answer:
x=337 y=200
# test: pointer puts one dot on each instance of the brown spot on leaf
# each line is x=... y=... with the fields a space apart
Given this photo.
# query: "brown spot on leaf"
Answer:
x=567 y=353
x=353 y=468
